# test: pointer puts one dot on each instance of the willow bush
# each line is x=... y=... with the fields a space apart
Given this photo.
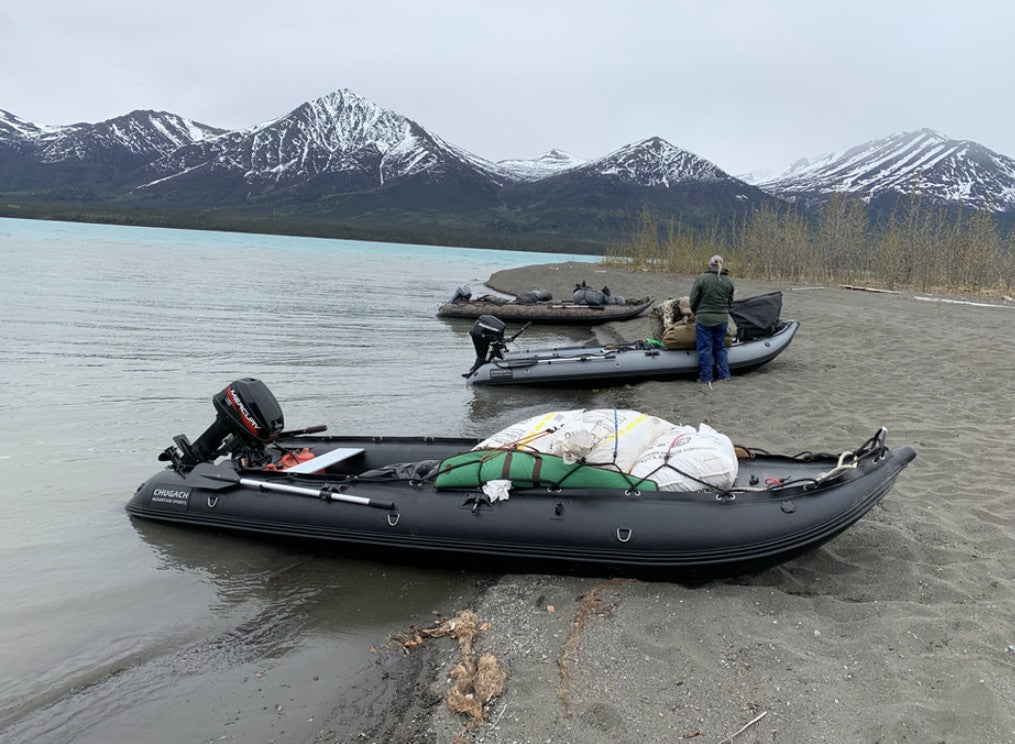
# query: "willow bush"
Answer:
x=773 y=245
x=917 y=246
x=843 y=238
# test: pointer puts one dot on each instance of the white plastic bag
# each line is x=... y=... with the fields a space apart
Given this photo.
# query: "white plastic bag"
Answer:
x=497 y=490
x=704 y=458
x=535 y=433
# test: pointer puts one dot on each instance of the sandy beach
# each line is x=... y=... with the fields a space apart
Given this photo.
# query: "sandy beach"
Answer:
x=899 y=630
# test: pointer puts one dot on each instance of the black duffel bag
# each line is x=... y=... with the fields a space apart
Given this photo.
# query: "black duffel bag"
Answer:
x=757 y=317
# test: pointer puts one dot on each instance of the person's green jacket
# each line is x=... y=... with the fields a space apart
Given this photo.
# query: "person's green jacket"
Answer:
x=711 y=296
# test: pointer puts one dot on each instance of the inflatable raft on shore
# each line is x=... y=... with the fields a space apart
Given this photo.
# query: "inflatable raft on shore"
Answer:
x=760 y=335
x=425 y=496
x=539 y=307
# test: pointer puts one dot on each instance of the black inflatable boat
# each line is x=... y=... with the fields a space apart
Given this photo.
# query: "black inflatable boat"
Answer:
x=246 y=475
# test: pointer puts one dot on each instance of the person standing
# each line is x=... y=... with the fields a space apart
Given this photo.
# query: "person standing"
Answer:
x=711 y=297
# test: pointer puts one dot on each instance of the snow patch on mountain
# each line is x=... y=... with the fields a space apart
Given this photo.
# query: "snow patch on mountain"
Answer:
x=548 y=164
x=756 y=176
x=15 y=128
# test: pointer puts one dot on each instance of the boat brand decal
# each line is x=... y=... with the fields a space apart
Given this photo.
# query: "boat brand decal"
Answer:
x=166 y=497
x=498 y=373
x=248 y=420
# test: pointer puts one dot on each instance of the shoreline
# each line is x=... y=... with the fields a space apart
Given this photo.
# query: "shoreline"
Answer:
x=897 y=630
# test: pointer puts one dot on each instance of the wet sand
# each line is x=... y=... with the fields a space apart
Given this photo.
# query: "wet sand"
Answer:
x=899 y=630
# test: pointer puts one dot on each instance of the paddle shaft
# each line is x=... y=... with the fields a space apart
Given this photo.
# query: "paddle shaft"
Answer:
x=520 y=330
x=316 y=493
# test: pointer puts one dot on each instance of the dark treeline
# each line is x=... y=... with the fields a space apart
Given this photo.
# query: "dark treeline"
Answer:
x=917 y=246
x=417 y=228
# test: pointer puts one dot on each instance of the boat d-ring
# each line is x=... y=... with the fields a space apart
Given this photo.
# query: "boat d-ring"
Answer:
x=624 y=534
x=393 y=518
x=212 y=501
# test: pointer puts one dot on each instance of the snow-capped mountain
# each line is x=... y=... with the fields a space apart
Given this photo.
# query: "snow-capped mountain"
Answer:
x=141 y=135
x=951 y=171
x=653 y=173
x=17 y=136
x=14 y=128
x=654 y=162
x=88 y=159
x=338 y=143
x=541 y=166
x=344 y=159
x=144 y=134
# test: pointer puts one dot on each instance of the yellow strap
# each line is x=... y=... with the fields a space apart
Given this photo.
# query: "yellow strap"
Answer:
x=625 y=429
x=536 y=431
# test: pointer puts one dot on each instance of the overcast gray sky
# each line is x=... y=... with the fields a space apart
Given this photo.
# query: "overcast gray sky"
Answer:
x=747 y=85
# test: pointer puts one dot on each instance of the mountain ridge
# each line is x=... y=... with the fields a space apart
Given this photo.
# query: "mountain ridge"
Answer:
x=922 y=161
x=343 y=157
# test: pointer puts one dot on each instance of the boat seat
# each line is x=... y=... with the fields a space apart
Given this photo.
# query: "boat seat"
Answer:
x=322 y=461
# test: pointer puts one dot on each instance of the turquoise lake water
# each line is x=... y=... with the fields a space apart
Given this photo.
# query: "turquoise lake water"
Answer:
x=112 y=341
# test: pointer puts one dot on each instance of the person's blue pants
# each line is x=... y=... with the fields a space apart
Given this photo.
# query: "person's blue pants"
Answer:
x=711 y=345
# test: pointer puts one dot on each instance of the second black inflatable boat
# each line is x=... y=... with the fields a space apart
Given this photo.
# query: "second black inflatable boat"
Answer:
x=614 y=364
x=760 y=337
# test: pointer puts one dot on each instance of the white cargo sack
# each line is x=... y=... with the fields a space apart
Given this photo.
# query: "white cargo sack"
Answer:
x=607 y=436
x=536 y=433
x=703 y=458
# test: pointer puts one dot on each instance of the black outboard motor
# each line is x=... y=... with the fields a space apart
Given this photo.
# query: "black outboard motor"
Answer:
x=488 y=337
x=248 y=418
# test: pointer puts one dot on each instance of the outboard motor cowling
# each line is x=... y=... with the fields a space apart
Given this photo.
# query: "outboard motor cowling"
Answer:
x=247 y=415
x=487 y=331
x=487 y=335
